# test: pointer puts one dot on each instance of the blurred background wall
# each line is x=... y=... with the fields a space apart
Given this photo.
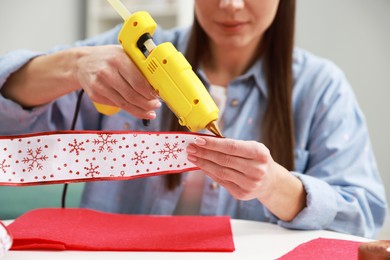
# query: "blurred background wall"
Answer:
x=355 y=34
x=40 y=24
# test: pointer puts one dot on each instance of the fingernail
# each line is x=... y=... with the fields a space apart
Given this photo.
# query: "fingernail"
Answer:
x=200 y=141
x=157 y=104
x=151 y=115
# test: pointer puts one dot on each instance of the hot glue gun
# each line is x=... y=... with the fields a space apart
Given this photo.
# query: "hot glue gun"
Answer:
x=167 y=70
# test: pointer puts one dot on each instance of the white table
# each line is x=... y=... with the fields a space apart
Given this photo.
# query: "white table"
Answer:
x=253 y=240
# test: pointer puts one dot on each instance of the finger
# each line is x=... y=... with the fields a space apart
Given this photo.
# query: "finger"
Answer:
x=136 y=79
x=132 y=98
x=103 y=100
x=115 y=99
x=253 y=169
x=144 y=112
x=244 y=149
x=216 y=172
x=235 y=190
x=221 y=159
x=126 y=95
x=134 y=103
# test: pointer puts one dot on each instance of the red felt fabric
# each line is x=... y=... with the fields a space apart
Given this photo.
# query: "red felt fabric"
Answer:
x=324 y=249
x=84 y=229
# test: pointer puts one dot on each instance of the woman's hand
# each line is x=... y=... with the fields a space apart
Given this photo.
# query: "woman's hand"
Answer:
x=106 y=73
x=246 y=169
x=109 y=77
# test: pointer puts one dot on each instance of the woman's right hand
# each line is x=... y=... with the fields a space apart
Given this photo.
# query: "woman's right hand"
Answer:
x=106 y=73
x=110 y=77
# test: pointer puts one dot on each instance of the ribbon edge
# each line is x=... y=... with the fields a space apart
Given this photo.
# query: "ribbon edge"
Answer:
x=64 y=132
x=143 y=175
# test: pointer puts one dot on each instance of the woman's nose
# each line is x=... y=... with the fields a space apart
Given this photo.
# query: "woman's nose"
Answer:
x=235 y=4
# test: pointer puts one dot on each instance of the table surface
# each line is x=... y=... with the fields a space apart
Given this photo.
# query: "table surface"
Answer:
x=252 y=240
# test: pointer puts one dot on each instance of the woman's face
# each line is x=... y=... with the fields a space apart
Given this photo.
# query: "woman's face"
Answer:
x=235 y=23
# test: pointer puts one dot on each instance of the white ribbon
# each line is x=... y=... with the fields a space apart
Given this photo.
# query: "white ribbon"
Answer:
x=74 y=156
x=5 y=240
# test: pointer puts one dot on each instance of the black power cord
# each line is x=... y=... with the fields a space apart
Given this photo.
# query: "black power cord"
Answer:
x=73 y=126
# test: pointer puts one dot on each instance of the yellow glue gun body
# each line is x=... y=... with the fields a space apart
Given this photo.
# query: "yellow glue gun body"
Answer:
x=168 y=72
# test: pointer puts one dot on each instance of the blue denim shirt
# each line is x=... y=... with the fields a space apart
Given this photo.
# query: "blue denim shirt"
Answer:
x=333 y=155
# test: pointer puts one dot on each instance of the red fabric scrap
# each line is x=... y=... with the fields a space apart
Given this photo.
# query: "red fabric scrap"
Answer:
x=85 y=229
x=324 y=249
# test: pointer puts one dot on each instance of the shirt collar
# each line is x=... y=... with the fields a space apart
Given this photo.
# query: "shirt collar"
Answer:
x=257 y=73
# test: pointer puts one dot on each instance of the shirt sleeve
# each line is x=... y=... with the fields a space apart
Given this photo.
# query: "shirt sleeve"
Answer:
x=12 y=115
x=49 y=117
x=344 y=189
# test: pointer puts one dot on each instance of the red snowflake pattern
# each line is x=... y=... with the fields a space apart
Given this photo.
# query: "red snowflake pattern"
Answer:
x=92 y=170
x=3 y=166
x=34 y=159
x=170 y=151
x=105 y=142
x=76 y=147
x=139 y=158
x=69 y=157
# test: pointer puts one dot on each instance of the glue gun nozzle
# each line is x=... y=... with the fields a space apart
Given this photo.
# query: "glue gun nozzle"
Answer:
x=213 y=127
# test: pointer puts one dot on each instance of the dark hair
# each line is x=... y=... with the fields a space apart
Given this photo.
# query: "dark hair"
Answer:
x=277 y=51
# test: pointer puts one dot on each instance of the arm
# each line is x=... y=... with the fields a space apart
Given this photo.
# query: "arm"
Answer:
x=337 y=166
x=35 y=85
x=105 y=72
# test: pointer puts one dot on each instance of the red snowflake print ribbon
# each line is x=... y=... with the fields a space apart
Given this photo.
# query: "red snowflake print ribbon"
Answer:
x=5 y=240
x=73 y=156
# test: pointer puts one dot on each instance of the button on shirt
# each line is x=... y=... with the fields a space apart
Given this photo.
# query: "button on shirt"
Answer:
x=234 y=103
x=333 y=154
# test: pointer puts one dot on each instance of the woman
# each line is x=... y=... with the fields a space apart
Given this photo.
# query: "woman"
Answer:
x=297 y=151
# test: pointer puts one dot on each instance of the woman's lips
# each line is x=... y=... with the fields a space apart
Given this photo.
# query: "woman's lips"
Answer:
x=232 y=26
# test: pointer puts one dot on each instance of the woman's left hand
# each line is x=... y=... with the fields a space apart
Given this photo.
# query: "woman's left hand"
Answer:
x=245 y=168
